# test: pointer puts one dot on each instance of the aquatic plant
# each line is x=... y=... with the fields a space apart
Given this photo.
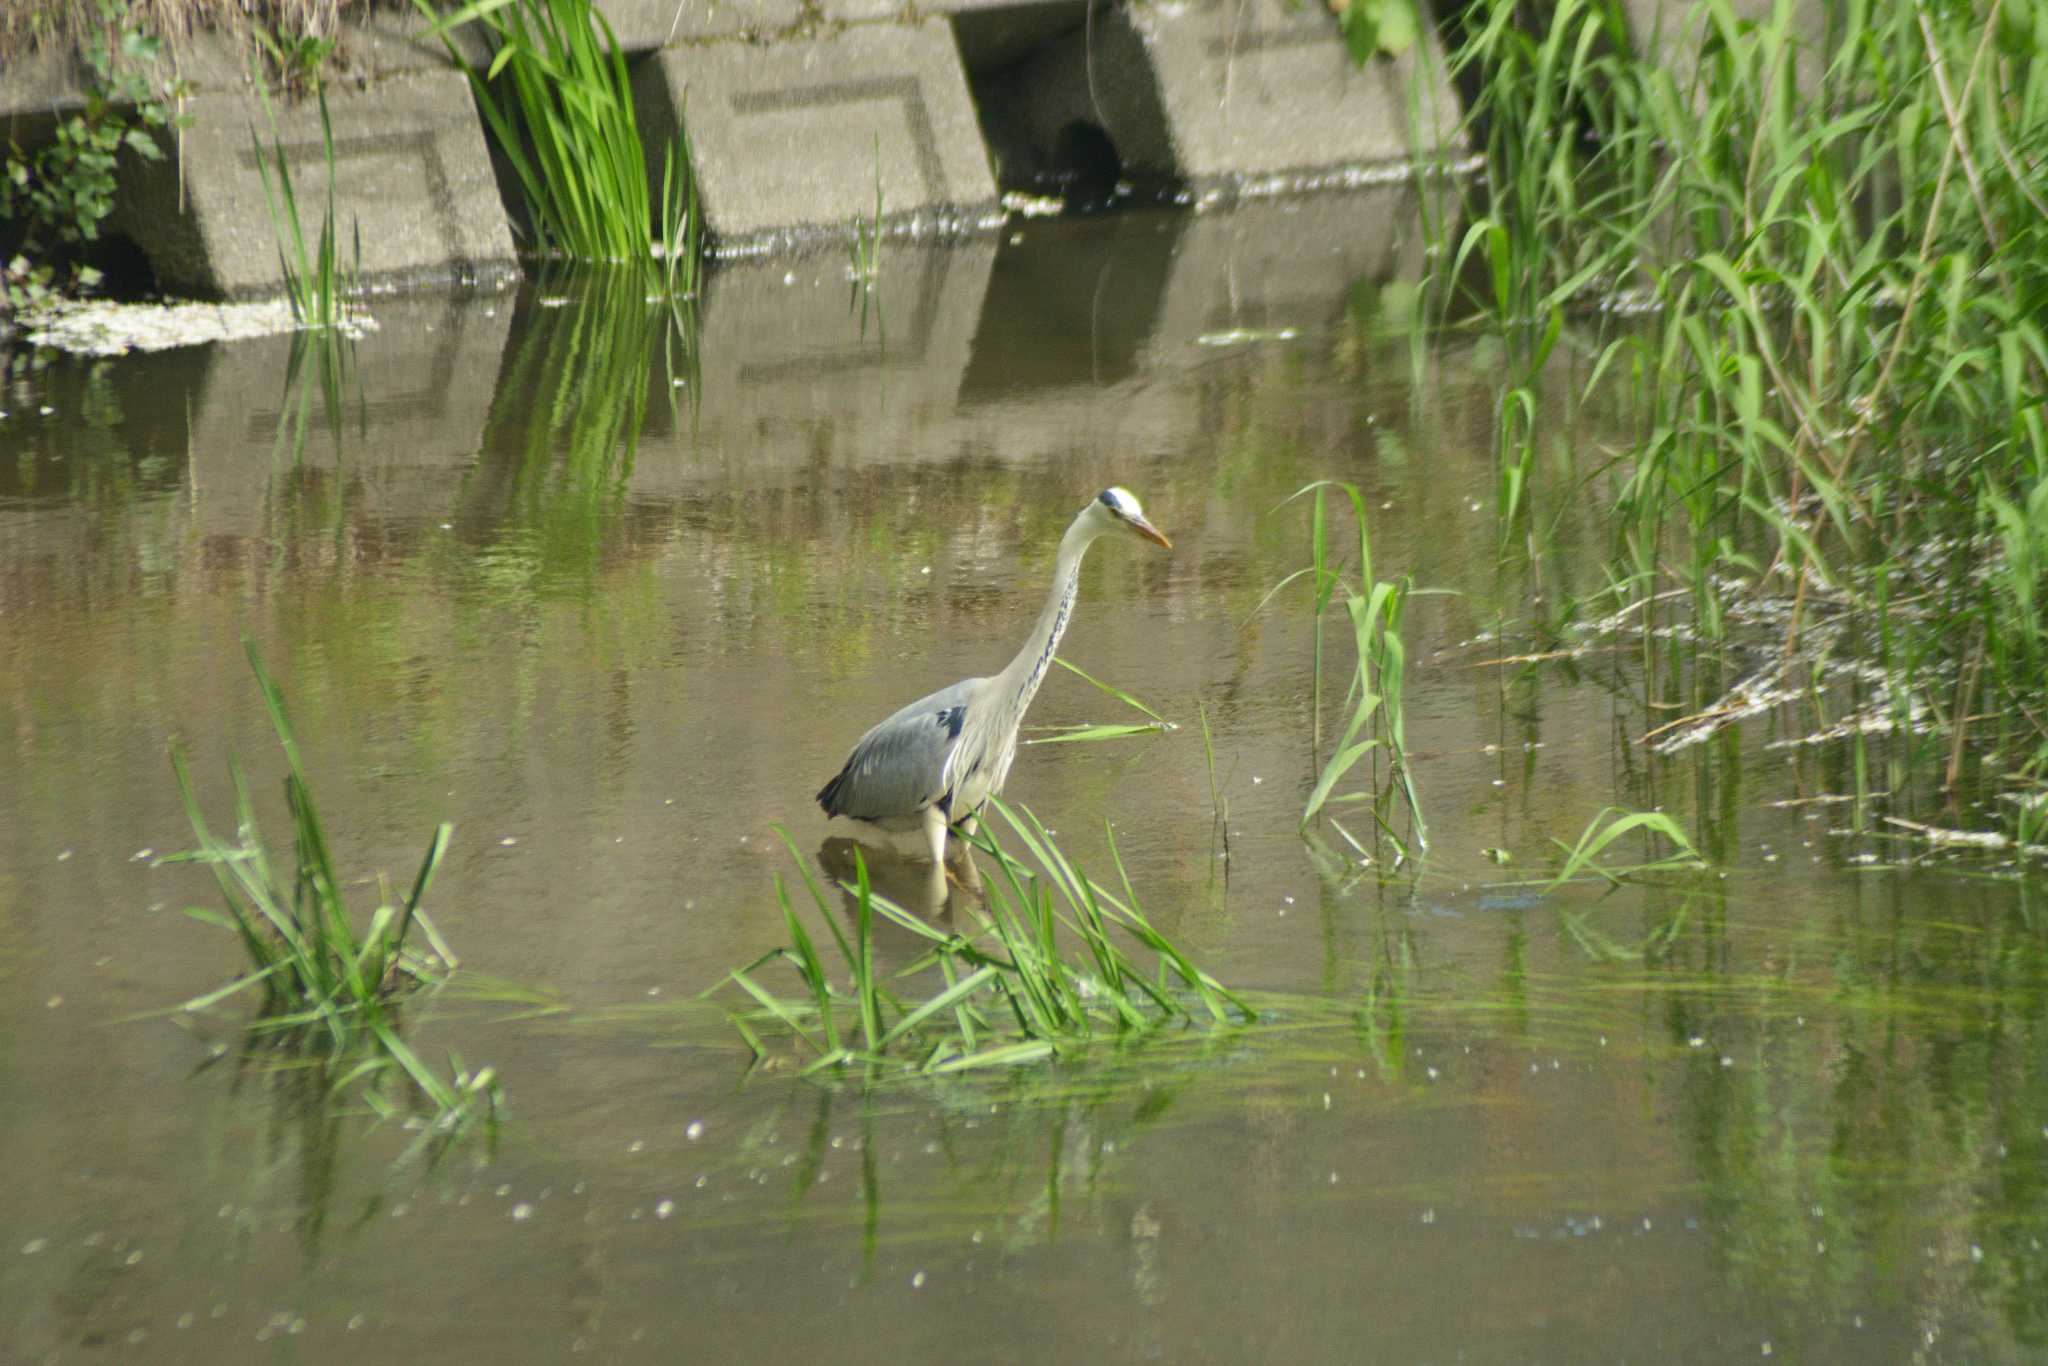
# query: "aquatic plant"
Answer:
x=1611 y=824
x=324 y=982
x=559 y=104
x=314 y=281
x=316 y=284
x=1219 y=807
x=1007 y=994
x=1814 y=268
x=865 y=250
x=681 y=247
x=1374 y=693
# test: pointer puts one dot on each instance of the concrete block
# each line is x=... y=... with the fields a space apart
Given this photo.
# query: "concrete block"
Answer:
x=991 y=33
x=644 y=25
x=37 y=85
x=412 y=175
x=382 y=43
x=784 y=341
x=1220 y=92
x=431 y=369
x=1156 y=293
x=996 y=33
x=1268 y=267
x=786 y=137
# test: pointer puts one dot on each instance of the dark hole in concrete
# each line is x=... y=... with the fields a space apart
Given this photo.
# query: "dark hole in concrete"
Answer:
x=1041 y=82
x=124 y=268
x=1085 y=167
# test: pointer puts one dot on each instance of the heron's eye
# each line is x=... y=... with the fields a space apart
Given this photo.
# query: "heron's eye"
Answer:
x=1109 y=502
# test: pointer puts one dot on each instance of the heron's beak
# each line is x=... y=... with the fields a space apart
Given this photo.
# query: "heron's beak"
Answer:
x=1150 y=532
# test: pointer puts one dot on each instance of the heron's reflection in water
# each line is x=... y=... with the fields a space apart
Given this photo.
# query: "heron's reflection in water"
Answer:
x=911 y=881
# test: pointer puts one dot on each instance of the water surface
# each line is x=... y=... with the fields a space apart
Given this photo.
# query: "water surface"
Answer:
x=617 y=618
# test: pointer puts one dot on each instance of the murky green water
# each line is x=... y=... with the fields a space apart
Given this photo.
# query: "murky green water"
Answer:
x=1813 y=1123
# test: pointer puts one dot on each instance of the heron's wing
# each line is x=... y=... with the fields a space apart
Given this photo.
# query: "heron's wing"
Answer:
x=903 y=765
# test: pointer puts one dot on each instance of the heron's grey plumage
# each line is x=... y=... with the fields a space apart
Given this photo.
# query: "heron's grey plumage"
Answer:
x=901 y=766
x=936 y=761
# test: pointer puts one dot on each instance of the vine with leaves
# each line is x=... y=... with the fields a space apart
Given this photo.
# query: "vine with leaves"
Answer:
x=54 y=197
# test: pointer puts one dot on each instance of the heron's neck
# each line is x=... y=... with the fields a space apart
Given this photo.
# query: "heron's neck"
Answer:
x=1027 y=670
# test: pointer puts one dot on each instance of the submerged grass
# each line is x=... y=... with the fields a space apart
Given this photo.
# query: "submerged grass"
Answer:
x=326 y=985
x=1014 y=991
x=1812 y=267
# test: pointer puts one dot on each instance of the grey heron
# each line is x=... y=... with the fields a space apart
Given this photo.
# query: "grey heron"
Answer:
x=935 y=762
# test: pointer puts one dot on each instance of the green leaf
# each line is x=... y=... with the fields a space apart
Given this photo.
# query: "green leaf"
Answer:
x=1397 y=26
x=1361 y=31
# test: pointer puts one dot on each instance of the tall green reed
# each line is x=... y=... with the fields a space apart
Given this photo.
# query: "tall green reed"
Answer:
x=316 y=281
x=559 y=103
x=1375 y=692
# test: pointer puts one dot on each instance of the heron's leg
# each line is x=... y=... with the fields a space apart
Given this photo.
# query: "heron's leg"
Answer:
x=960 y=852
x=935 y=833
x=964 y=872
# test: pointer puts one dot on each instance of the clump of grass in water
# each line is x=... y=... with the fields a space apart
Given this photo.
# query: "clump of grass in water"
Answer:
x=316 y=283
x=864 y=265
x=321 y=980
x=560 y=107
x=1374 y=693
x=865 y=250
x=1009 y=995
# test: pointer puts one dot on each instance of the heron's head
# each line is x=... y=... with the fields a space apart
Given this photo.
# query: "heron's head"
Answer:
x=1116 y=506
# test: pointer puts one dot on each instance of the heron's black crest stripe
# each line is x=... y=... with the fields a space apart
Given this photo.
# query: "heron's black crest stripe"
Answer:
x=1110 y=503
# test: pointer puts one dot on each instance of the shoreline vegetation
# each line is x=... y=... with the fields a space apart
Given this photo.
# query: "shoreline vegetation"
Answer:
x=1834 y=373
x=28 y=26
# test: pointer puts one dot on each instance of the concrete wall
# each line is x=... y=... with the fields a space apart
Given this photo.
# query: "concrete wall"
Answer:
x=797 y=113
